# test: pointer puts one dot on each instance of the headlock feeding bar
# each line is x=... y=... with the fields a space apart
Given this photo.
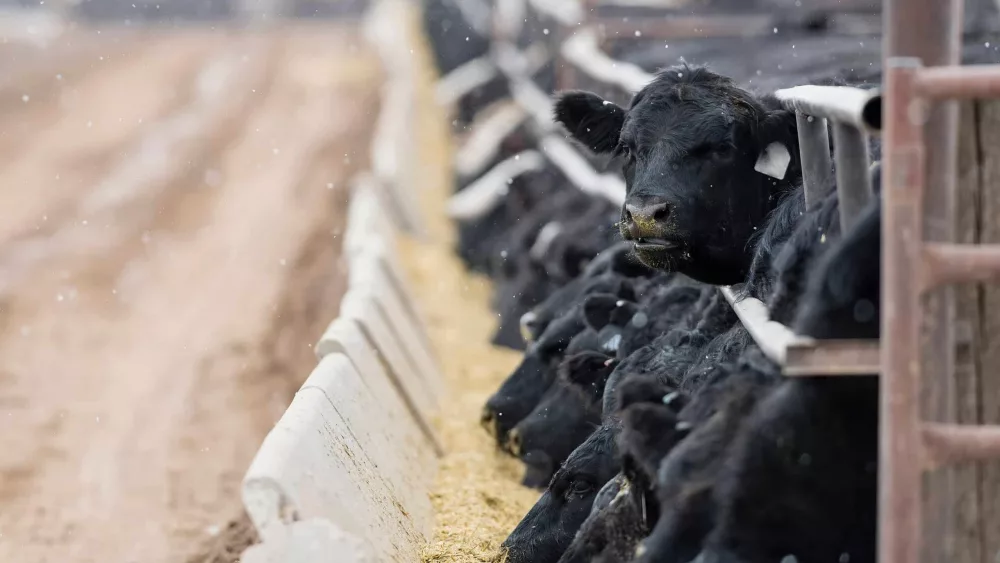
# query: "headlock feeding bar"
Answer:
x=854 y=114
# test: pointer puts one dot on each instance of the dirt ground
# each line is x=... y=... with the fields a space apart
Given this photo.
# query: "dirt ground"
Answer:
x=170 y=205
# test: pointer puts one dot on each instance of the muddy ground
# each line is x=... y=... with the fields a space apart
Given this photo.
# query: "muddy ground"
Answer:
x=170 y=209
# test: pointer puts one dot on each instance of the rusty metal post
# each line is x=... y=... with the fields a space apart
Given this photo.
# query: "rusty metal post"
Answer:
x=814 y=151
x=900 y=470
x=854 y=187
x=930 y=30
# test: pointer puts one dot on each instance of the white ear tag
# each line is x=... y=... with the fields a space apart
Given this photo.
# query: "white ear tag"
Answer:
x=774 y=161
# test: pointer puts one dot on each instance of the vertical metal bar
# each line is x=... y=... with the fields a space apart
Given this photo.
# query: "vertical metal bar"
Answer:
x=854 y=186
x=900 y=472
x=930 y=30
x=814 y=151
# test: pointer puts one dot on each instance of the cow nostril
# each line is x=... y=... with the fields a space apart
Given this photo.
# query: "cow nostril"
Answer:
x=661 y=212
x=628 y=216
x=489 y=421
x=514 y=442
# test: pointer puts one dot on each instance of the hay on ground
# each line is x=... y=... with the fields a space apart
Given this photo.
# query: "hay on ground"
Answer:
x=477 y=496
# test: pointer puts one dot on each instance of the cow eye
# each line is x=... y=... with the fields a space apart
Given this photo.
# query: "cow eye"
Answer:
x=580 y=488
x=723 y=150
x=700 y=151
x=624 y=151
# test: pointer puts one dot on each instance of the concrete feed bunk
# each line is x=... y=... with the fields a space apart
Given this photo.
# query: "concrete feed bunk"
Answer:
x=370 y=461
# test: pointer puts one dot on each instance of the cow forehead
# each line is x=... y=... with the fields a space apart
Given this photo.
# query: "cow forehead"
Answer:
x=680 y=124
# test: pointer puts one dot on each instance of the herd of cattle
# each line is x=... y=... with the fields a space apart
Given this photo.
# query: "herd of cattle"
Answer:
x=656 y=427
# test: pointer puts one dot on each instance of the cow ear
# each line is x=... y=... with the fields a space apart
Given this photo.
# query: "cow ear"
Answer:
x=645 y=389
x=597 y=309
x=588 y=372
x=626 y=290
x=623 y=313
x=590 y=119
x=574 y=259
x=648 y=434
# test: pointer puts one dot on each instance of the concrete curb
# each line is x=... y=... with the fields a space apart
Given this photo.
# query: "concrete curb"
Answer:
x=346 y=472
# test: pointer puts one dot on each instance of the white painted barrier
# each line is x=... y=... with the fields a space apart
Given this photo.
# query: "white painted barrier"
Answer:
x=345 y=473
x=345 y=336
x=368 y=273
x=366 y=215
x=342 y=453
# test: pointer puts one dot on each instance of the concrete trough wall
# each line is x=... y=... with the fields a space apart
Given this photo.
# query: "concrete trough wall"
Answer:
x=345 y=473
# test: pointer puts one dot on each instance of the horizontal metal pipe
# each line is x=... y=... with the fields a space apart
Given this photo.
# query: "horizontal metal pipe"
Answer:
x=685 y=27
x=583 y=50
x=946 y=263
x=842 y=104
x=800 y=355
x=772 y=337
x=566 y=13
x=954 y=443
x=486 y=135
x=580 y=172
x=959 y=82
x=464 y=79
x=832 y=357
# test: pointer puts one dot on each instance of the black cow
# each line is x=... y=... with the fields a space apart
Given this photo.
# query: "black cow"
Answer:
x=562 y=420
x=801 y=480
x=478 y=235
x=550 y=258
x=686 y=522
x=521 y=392
x=649 y=431
x=705 y=162
x=758 y=431
x=698 y=334
x=525 y=539
x=613 y=263
x=571 y=408
x=685 y=478
x=548 y=528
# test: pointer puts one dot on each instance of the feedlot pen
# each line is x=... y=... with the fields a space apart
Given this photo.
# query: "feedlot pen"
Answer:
x=935 y=362
x=921 y=148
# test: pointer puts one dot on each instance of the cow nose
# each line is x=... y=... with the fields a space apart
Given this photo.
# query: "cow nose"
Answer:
x=646 y=219
x=488 y=419
x=514 y=442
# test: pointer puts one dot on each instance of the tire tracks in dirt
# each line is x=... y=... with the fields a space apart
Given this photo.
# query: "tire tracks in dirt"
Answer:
x=149 y=364
x=55 y=165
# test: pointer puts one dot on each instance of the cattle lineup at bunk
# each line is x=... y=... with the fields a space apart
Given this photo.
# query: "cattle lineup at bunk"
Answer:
x=654 y=426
